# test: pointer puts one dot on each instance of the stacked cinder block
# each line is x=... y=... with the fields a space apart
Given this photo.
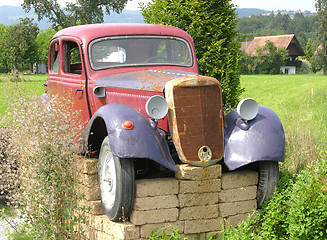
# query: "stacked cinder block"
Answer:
x=238 y=195
x=196 y=201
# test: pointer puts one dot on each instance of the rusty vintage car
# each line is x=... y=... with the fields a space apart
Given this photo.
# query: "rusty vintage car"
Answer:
x=148 y=109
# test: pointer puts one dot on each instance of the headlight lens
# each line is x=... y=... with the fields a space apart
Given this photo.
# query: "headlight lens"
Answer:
x=156 y=107
x=247 y=109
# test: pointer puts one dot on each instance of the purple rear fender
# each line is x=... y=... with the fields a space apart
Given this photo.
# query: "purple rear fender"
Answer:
x=142 y=141
x=261 y=139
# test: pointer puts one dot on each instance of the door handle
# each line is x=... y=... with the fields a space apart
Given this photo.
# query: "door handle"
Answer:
x=78 y=90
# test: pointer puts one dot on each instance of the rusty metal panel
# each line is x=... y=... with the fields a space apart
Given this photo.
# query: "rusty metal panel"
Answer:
x=196 y=119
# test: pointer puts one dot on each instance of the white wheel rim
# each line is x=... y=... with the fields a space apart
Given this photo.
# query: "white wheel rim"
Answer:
x=109 y=180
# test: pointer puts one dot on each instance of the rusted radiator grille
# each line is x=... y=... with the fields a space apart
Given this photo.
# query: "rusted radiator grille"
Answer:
x=198 y=111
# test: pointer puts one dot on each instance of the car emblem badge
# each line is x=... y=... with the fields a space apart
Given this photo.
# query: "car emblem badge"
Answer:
x=205 y=154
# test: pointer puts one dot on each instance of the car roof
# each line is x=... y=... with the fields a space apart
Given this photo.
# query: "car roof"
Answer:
x=88 y=32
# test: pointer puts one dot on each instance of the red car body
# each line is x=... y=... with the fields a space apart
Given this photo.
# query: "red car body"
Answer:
x=153 y=82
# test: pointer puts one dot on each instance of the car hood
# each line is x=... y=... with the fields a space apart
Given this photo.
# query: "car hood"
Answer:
x=147 y=80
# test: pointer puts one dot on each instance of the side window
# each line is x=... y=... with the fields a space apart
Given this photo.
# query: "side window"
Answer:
x=54 y=57
x=72 y=58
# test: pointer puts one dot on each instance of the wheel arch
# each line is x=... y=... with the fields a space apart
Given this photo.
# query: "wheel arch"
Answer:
x=143 y=141
x=98 y=132
x=262 y=139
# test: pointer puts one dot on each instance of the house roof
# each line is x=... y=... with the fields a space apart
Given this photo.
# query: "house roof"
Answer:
x=288 y=41
x=245 y=45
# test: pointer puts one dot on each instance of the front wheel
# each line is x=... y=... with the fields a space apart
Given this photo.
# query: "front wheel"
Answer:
x=268 y=180
x=116 y=183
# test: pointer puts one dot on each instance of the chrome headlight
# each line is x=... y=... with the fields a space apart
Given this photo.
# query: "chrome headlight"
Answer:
x=247 y=109
x=156 y=107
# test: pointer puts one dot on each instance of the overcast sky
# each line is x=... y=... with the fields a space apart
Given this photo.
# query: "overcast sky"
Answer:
x=262 y=4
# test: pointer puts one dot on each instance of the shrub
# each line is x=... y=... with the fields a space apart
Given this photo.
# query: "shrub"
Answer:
x=297 y=210
x=41 y=148
x=268 y=59
x=211 y=24
x=305 y=67
x=173 y=236
x=307 y=216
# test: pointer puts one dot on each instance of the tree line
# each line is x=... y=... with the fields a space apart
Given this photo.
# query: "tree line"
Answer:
x=23 y=44
x=304 y=27
x=310 y=31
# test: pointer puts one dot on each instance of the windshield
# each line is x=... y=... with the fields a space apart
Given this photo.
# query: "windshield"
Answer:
x=139 y=51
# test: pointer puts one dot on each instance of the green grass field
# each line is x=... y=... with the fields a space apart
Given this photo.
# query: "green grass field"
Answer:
x=9 y=89
x=301 y=103
x=284 y=94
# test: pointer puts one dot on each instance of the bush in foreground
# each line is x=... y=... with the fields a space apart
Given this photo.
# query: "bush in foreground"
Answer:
x=43 y=183
x=297 y=210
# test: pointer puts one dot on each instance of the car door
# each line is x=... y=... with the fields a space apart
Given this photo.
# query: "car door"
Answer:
x=67 y=75
x=54 y=75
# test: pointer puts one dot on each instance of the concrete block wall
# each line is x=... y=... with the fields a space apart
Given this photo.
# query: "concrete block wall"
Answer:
x=196 y=201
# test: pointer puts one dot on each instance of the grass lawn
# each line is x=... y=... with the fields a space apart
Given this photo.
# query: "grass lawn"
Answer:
x=292 y=97
x=283 y=92
x=301 y=103
x=8 y=90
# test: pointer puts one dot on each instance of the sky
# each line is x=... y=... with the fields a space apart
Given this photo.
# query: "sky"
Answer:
x=261 y=4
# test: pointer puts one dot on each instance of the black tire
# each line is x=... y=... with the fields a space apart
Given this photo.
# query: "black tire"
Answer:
x=268 y=180
x=116 y=183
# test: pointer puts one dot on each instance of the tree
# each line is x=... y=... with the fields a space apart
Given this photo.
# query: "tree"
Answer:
x=211 y=24
x=309 y=51
x=42 y=43
x=321 y=6
x=317 y=60
x=77 y=12
x=267 y=60
x=4 y=65
x=19 y=43
x=280 y=21
x=304 y=27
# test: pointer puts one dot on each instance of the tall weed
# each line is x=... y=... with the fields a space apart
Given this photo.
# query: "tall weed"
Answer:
x=306 y=134
x=44 y=176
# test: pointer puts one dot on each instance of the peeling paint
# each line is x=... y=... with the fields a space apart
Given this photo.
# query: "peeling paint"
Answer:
x=147 y=80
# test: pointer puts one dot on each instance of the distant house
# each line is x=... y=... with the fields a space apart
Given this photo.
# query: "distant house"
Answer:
x=289 y=41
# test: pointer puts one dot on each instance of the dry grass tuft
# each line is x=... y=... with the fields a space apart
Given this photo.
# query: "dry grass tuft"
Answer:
x=37 y=167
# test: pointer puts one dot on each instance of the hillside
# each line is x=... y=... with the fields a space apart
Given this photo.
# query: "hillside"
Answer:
x=247 y=12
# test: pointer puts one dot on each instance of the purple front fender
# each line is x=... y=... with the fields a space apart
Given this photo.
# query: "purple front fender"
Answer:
x=142 y=141
x=261 y=139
